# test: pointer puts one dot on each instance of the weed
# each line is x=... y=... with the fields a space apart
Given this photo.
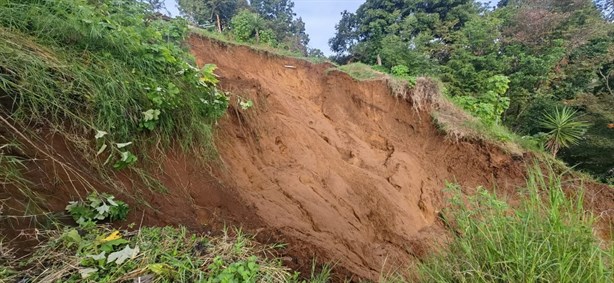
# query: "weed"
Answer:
x=101 y=67
x=97 y=207
x=104 y=75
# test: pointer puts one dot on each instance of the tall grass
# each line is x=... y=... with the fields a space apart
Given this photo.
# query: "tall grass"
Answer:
x=98 y=65
x=547 y=238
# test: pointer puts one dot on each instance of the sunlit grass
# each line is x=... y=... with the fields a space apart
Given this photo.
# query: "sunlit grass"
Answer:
x=548 y=237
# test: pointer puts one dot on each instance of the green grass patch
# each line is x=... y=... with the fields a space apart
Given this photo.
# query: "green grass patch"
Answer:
x=548 y=237
x=151 y=254
x=228 y=38
x=360 y=71
x=452 y=120
x=113 y=79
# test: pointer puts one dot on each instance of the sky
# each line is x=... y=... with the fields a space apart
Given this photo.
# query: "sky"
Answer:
x=320 y=17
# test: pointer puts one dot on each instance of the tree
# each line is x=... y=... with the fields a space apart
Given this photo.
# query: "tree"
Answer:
x=315 y=52
x=361 y=34
x=288 y=30
x=563 y=129
x=212 y=12
x=250 y=27
x=347 y=35
x=155 y=5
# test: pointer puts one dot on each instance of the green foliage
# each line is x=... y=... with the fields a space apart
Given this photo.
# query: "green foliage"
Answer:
x=592 y=154
x=250 y=27
x=206 y=12
x=97 y=207
x=489 y=106
x=286 y=29
x=240 y=271
x=547 y=237
x=400 y=70
x=563 y=128
x=363 y=33
x=550 y=51
x=101 y=67
x=152 y=254
x=403 y=72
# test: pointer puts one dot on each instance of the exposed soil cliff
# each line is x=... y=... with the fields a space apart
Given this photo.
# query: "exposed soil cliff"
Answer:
x=340 y=167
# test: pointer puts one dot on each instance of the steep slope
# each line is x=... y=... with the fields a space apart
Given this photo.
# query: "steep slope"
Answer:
x=340 y=168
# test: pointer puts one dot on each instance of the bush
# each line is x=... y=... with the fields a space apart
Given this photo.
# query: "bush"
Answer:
x=490 y=105
x=97 y=207
x=250 y=27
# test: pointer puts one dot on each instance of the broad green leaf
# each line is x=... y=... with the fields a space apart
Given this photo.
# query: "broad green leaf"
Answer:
x=123 y=255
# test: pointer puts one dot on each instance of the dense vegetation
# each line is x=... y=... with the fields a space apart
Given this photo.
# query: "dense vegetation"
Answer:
x=267 y=22
x=60 y=61
x=514 y=63
x=95 y=252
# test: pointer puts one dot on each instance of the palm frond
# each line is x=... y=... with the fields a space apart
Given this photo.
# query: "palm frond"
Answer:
x=564 y=130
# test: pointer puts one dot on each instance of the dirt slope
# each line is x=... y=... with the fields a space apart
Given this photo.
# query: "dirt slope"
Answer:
x=339 y=168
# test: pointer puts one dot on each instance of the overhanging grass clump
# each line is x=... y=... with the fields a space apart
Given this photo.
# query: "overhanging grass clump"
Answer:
x=360 y=71
x=104 y=66
x=547 y=238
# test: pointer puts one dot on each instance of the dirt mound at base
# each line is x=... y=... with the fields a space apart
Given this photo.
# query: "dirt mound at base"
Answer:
x=340 y=168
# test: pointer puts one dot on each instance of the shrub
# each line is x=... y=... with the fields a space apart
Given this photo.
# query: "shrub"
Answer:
x=250 y=27
x=97 y=207
x=490 y=105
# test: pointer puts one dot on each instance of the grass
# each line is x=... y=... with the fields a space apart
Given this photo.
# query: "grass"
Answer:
x=76 y=69
x=458 y=124
x=164 y=255
x=228 y=38
x=360 y=71
x=548 y=237
x=62 y=66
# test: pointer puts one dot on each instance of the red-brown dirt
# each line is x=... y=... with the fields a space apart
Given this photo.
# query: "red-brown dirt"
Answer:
x=340 y=165
x=340 y=170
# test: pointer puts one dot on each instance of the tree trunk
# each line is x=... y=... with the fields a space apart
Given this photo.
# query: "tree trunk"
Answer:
x=219 y=24
x=379 y=60
x=257 y=36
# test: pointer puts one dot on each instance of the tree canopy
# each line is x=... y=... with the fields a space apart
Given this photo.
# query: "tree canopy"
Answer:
x=275 y=18
x=544 y=53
